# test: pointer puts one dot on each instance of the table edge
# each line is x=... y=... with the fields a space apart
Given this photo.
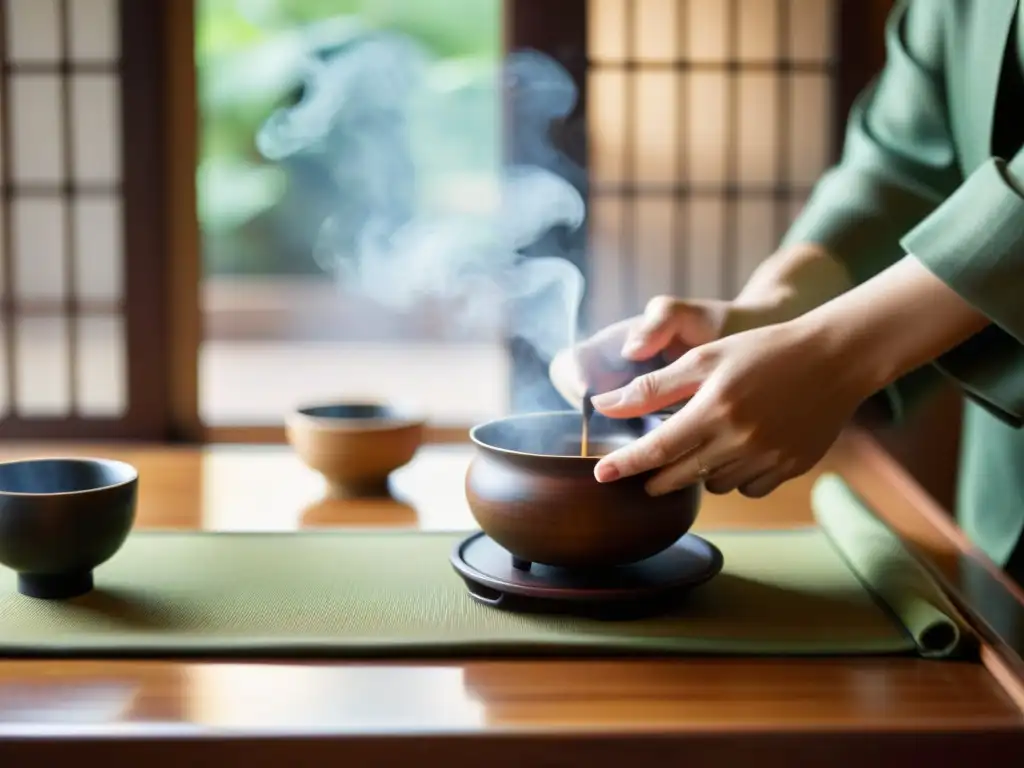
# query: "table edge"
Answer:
x=1001 y=655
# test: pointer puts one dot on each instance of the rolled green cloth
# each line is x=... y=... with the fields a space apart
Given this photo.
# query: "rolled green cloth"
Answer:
x=889 y=570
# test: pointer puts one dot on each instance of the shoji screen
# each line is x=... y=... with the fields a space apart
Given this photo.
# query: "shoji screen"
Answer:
x=63 y=285
x=708 y=122
x=66 y=283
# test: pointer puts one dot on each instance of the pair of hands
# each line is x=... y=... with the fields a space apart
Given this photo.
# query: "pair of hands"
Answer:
x=764 y=400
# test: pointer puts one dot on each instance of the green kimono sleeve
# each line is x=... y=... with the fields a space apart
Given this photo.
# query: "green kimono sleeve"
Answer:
x=975 y=243
x=898 y=188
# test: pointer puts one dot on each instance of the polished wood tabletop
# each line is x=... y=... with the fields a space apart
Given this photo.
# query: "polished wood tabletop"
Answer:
x=305 y=711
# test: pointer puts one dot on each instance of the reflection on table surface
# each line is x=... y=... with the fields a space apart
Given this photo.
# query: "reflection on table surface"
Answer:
x=268 y=489
x=473 y=696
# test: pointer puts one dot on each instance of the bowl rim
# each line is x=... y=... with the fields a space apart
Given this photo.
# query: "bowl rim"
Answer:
x=475 y=437
x=133 y=475
x=401 y=416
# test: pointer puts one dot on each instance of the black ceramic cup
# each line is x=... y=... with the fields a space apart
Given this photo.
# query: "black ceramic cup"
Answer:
x=60 y=518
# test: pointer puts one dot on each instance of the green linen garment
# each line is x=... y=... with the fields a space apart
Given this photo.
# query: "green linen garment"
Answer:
x=924 y=171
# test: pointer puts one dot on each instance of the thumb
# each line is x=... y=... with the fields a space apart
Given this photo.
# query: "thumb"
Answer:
x=656 y=390
x=668 y=321
x=654 y=331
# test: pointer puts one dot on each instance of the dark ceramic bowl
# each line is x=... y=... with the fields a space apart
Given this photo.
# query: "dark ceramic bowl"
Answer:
x=530 y=490
x=61 y=518
x=354 y=445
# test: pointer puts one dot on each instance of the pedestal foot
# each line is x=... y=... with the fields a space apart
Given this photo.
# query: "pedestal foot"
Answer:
x=54 y=586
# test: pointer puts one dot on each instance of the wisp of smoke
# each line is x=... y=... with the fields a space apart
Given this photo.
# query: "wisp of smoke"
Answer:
x=355 y=114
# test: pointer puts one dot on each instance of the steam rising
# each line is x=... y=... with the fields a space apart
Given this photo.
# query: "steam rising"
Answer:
x=359 y=103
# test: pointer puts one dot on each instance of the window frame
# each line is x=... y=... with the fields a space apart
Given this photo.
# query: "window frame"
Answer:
x=528 y=24
x=143 y=305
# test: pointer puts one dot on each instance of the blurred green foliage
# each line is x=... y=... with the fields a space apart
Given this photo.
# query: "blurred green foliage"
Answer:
x=256 y=217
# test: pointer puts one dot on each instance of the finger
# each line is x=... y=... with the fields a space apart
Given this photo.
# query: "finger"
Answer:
x=571 y=369
x=686 y=470
x=567 y=378
x=739 y=473
x=662 y=445
x=658 y=389
x=655 y=329
x=671 y=326
x=606 y=341
x=764 y=484
x=598 y=359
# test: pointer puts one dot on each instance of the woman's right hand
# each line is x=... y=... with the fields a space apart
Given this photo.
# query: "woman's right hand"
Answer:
x=668 y=326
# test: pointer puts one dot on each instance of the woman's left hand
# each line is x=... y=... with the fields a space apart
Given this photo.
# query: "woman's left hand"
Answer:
x=766 y=405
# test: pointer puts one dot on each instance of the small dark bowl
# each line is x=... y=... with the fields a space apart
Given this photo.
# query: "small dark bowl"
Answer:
x=530 y=490
x=61 y=518
x=355 y=445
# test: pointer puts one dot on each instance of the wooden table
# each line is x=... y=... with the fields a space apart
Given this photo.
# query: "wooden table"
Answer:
x=553 y=712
